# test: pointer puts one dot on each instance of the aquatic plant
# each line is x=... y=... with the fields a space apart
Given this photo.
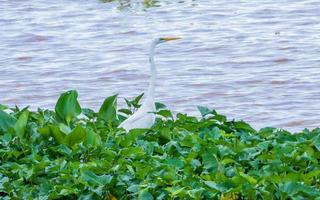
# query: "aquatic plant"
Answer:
x=78 y=153
x=128 y=3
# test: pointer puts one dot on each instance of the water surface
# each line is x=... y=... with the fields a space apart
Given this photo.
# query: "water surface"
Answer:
x=252 y=60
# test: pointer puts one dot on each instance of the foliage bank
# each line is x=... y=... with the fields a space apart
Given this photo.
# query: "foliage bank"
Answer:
x=77 y=153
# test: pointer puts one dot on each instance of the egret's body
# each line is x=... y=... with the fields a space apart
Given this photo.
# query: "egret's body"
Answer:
x=144 y=117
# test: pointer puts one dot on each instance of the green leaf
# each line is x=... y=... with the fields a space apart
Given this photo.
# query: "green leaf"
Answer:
x=133 y=152
x=64 y=150
x=195 y=163
x=209 y=161
x=316 y=142
x=67 y=106
x=221 y=187
x=160 y=106
x=133 y=188
x=174 y=162
x=108 y=110
x=241 y=125
x=57 y=134
x=94 y=179
x=214 y=133
x=3 y=180
x=174 y=191
x=92 y=138
x=6 y=121
x=88 y=112
x=3 y=107
x=250 y=179
x=20 y=125
x=165 y=113
x=45 y=131
x=204 y=111
x=225 y=151
x=313 y=173
x=136 y=101
x=293 y=188
x=125 y=111
x=64 y=128
x=145 y=195
x=77 y=135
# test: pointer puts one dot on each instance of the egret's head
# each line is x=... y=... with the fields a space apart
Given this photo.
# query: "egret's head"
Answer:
x=166 y=39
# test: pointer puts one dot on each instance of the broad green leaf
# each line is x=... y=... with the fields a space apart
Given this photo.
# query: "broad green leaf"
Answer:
x=195 y=163
x=174 y=162
x=241 y=125
x=264 y=145
x=64 y=128
x=57 y=134
x=221 y=187
x=293 y=188
x=214 y=133
x=316 y=142
x=249 y=153
x=20 y=125
x=64 y=150
x=108 y=110
x=220 y=118
x=174 y=191
x=134 y=188
x=92 y=138
x=226 y=161
x=290 y=188
x=209 y=161
x=165 y=113
x=211 y=184
x=225 y=151
x=88 y=112
x=3 y=107
x=196 y=193
x=313 y=173
x=160 y=106
x=145 y=195
x=166 y=133
x=125 y=111
x=86 y=196
x=6 y=121
x=135 y=152
x=77 y=135
x=67 y=107
x=3 y=180
x=136 y=101
x=94 y=179
x=204 y=111
x=45 y=131
x=250 y=179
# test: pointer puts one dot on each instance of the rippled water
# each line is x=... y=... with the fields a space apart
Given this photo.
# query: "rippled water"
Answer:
x=252 y=60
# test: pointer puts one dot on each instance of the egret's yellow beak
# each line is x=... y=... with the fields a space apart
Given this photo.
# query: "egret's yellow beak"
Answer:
x=170 y=38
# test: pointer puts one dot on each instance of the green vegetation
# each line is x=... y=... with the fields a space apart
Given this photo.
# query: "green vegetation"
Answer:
x=77 y=153
x=129 y=3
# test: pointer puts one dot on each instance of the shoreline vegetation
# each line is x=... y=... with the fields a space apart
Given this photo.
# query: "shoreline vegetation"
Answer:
x=129 y=4
x=78 y=153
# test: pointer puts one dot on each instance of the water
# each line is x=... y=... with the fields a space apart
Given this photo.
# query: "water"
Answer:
x=252 y=60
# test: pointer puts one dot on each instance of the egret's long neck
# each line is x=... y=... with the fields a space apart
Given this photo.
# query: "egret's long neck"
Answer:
x=153 y=71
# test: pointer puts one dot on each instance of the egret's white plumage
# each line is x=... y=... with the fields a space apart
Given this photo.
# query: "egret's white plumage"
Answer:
x=144 y=117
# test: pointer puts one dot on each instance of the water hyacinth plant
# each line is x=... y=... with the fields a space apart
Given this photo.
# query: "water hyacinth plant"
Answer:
x=78 y=153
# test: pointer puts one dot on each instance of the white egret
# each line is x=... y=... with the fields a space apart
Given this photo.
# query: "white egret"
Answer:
x=144 y=117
